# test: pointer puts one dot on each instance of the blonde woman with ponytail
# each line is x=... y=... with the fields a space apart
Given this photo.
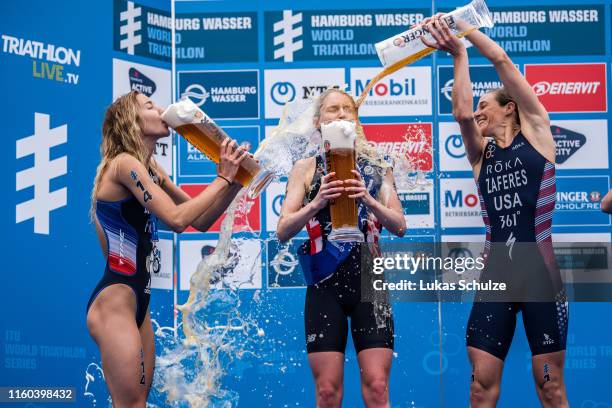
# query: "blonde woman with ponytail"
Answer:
x=130 y=193
x=334 y=296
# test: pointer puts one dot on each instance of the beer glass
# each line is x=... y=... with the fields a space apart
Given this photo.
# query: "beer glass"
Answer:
x=339 y=150
x=407 y=47
x=194 y=125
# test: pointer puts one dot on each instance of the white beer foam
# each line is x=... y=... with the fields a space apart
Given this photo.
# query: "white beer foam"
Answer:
x=181 y=113
x=340 y=134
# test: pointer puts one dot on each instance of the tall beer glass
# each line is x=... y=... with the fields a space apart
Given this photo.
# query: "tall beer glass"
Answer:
x=194 y=125
x=407 y=47
x=339 y=147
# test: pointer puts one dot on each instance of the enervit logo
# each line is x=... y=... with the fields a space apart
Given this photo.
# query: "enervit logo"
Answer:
x=405 y=141
x=130 y=28
x=141 y=83
x=287 y=35
x=407 y=91
x=282 y=92
x=39 y=176
x=454 y=147
x=197 y=93
x=569 y=87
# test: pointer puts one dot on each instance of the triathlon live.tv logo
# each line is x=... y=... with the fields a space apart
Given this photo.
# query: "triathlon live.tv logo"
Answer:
x=40 y=174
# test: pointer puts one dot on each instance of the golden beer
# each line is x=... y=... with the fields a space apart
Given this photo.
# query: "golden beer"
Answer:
x=339 y=146
x=204 y=134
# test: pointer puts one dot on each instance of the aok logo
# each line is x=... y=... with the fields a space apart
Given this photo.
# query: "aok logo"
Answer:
x=457 y=199
x=388 y=88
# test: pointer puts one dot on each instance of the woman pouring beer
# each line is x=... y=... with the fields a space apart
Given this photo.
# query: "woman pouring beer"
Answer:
x=131 y=191
x=508 y=137
x=344 y=189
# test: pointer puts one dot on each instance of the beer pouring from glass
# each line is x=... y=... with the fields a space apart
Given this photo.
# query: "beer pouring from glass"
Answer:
x=203 y=133
x=339 y=152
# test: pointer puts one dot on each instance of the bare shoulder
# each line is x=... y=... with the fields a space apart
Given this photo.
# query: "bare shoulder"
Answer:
x=541 y=138
x=302 y=171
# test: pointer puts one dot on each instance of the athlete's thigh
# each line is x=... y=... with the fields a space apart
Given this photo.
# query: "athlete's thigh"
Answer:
x=372 y=326
x=113 y=326
x=148 y=345
x=545 y=326
x=490 y=327
x=325 y=322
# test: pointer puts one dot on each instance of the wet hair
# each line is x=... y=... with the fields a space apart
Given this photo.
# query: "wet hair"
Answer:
x=503 y=98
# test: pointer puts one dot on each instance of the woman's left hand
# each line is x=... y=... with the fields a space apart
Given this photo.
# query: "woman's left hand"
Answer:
x=357 y=189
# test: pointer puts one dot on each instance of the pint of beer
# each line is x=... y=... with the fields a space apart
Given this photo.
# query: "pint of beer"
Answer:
x=407 y=47
x=194 y=125
x=339 y=146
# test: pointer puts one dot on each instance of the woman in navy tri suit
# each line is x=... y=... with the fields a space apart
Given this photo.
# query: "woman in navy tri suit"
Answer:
x=130 y=193
x=512 y=153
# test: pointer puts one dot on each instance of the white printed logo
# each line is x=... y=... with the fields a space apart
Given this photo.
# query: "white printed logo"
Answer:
x=39 y=176
x=196 y=92
x=287 y=35
x=547 y=340
x=510 y=244
x=311 y=338
x=130 y=28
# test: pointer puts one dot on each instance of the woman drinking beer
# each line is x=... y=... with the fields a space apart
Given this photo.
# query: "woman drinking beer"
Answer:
x=333 y=271
x=512 y=153
x=131 y=191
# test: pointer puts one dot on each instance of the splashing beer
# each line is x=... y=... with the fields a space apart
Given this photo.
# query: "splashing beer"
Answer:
x=405 y=48
x=203 y=133
x=339 y=145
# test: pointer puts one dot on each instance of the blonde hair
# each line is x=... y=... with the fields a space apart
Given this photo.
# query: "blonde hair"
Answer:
x=121 y=133
x=362 y=147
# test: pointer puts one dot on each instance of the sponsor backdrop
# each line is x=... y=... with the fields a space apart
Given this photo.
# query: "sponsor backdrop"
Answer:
x=241 y=61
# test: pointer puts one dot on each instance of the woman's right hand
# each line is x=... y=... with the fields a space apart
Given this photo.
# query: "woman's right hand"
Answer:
x=231 y=155
x=329 y=190
x=441 y=32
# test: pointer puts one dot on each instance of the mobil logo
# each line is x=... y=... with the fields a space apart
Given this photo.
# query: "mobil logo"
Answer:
x=388 y=87
x=246 y=212
x=403 y=141
x=458 y=198
x=569 y=87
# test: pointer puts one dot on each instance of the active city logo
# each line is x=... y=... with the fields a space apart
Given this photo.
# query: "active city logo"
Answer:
x=141 y=83
x=567 y=142
x=41 y=173
x=130 y=28
x=287 y=34
x=48 y=60
x=454 y=147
